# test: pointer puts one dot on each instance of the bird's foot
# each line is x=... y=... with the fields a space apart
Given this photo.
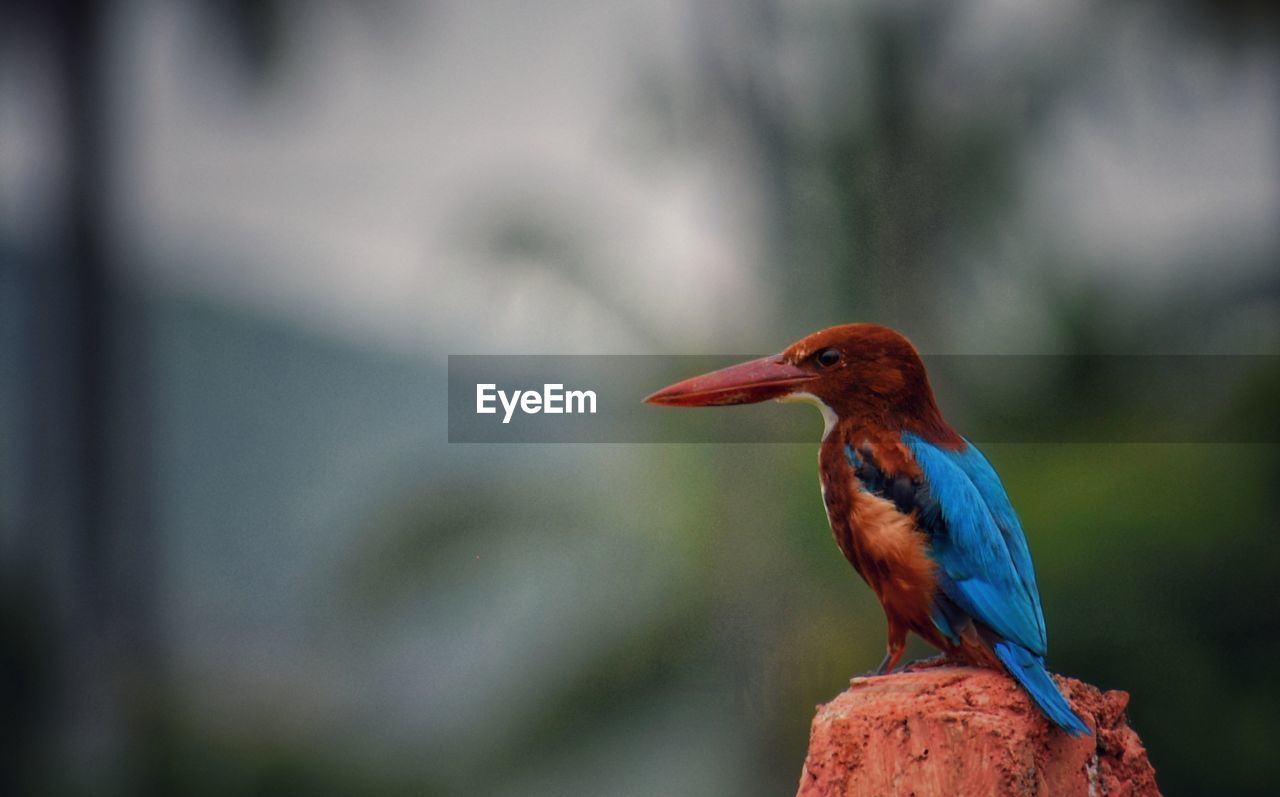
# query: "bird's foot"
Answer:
x=876 y=673
x=929 y=663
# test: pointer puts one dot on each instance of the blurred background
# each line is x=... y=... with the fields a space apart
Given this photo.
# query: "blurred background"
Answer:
x=238 y=240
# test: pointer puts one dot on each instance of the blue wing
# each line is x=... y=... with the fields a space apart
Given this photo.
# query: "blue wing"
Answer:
x=985 y=570
x=977 y=541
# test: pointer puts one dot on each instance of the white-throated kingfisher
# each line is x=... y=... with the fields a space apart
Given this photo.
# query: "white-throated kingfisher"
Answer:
x=915 y=508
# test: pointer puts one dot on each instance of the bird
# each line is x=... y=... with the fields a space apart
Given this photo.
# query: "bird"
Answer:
x=915 y=507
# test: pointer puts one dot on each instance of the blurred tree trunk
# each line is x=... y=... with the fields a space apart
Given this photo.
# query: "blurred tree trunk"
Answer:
x=91 y=555
x=91 y=538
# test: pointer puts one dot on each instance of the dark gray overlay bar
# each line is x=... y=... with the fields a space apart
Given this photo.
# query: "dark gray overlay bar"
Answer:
x=987 y=398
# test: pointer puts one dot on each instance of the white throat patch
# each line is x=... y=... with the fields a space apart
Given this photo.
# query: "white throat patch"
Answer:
x=829 y=416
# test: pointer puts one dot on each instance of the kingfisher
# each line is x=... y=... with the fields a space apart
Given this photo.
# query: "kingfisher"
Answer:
x=916 y=508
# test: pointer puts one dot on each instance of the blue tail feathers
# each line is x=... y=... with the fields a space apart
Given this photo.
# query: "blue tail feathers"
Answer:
x=1028 y=669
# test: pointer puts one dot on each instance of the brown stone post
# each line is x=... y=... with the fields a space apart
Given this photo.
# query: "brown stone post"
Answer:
x=952 y=731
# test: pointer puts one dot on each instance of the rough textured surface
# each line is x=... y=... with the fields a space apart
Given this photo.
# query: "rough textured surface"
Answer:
x=961 y=730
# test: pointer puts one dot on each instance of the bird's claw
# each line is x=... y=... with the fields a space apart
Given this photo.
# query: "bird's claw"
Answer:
x=928 y=663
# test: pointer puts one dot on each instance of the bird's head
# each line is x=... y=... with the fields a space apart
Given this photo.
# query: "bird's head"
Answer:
x=865 y=371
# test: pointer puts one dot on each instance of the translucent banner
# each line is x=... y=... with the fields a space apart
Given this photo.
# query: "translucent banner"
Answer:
x=987 y=398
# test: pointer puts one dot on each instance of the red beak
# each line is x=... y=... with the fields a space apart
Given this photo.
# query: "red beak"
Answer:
x=747 y=383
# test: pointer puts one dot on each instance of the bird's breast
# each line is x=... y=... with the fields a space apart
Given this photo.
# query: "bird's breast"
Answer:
x=882 y=543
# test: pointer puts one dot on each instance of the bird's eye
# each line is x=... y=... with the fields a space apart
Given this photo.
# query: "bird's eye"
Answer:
x=827 y=357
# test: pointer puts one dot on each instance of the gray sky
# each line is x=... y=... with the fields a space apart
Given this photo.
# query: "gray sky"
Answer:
x=351 y=198
x=354 y=195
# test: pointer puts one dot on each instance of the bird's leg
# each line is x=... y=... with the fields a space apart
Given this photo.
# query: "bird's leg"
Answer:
x=897 y=643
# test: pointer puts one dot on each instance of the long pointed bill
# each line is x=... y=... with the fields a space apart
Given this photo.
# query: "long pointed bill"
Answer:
x=747 y=383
